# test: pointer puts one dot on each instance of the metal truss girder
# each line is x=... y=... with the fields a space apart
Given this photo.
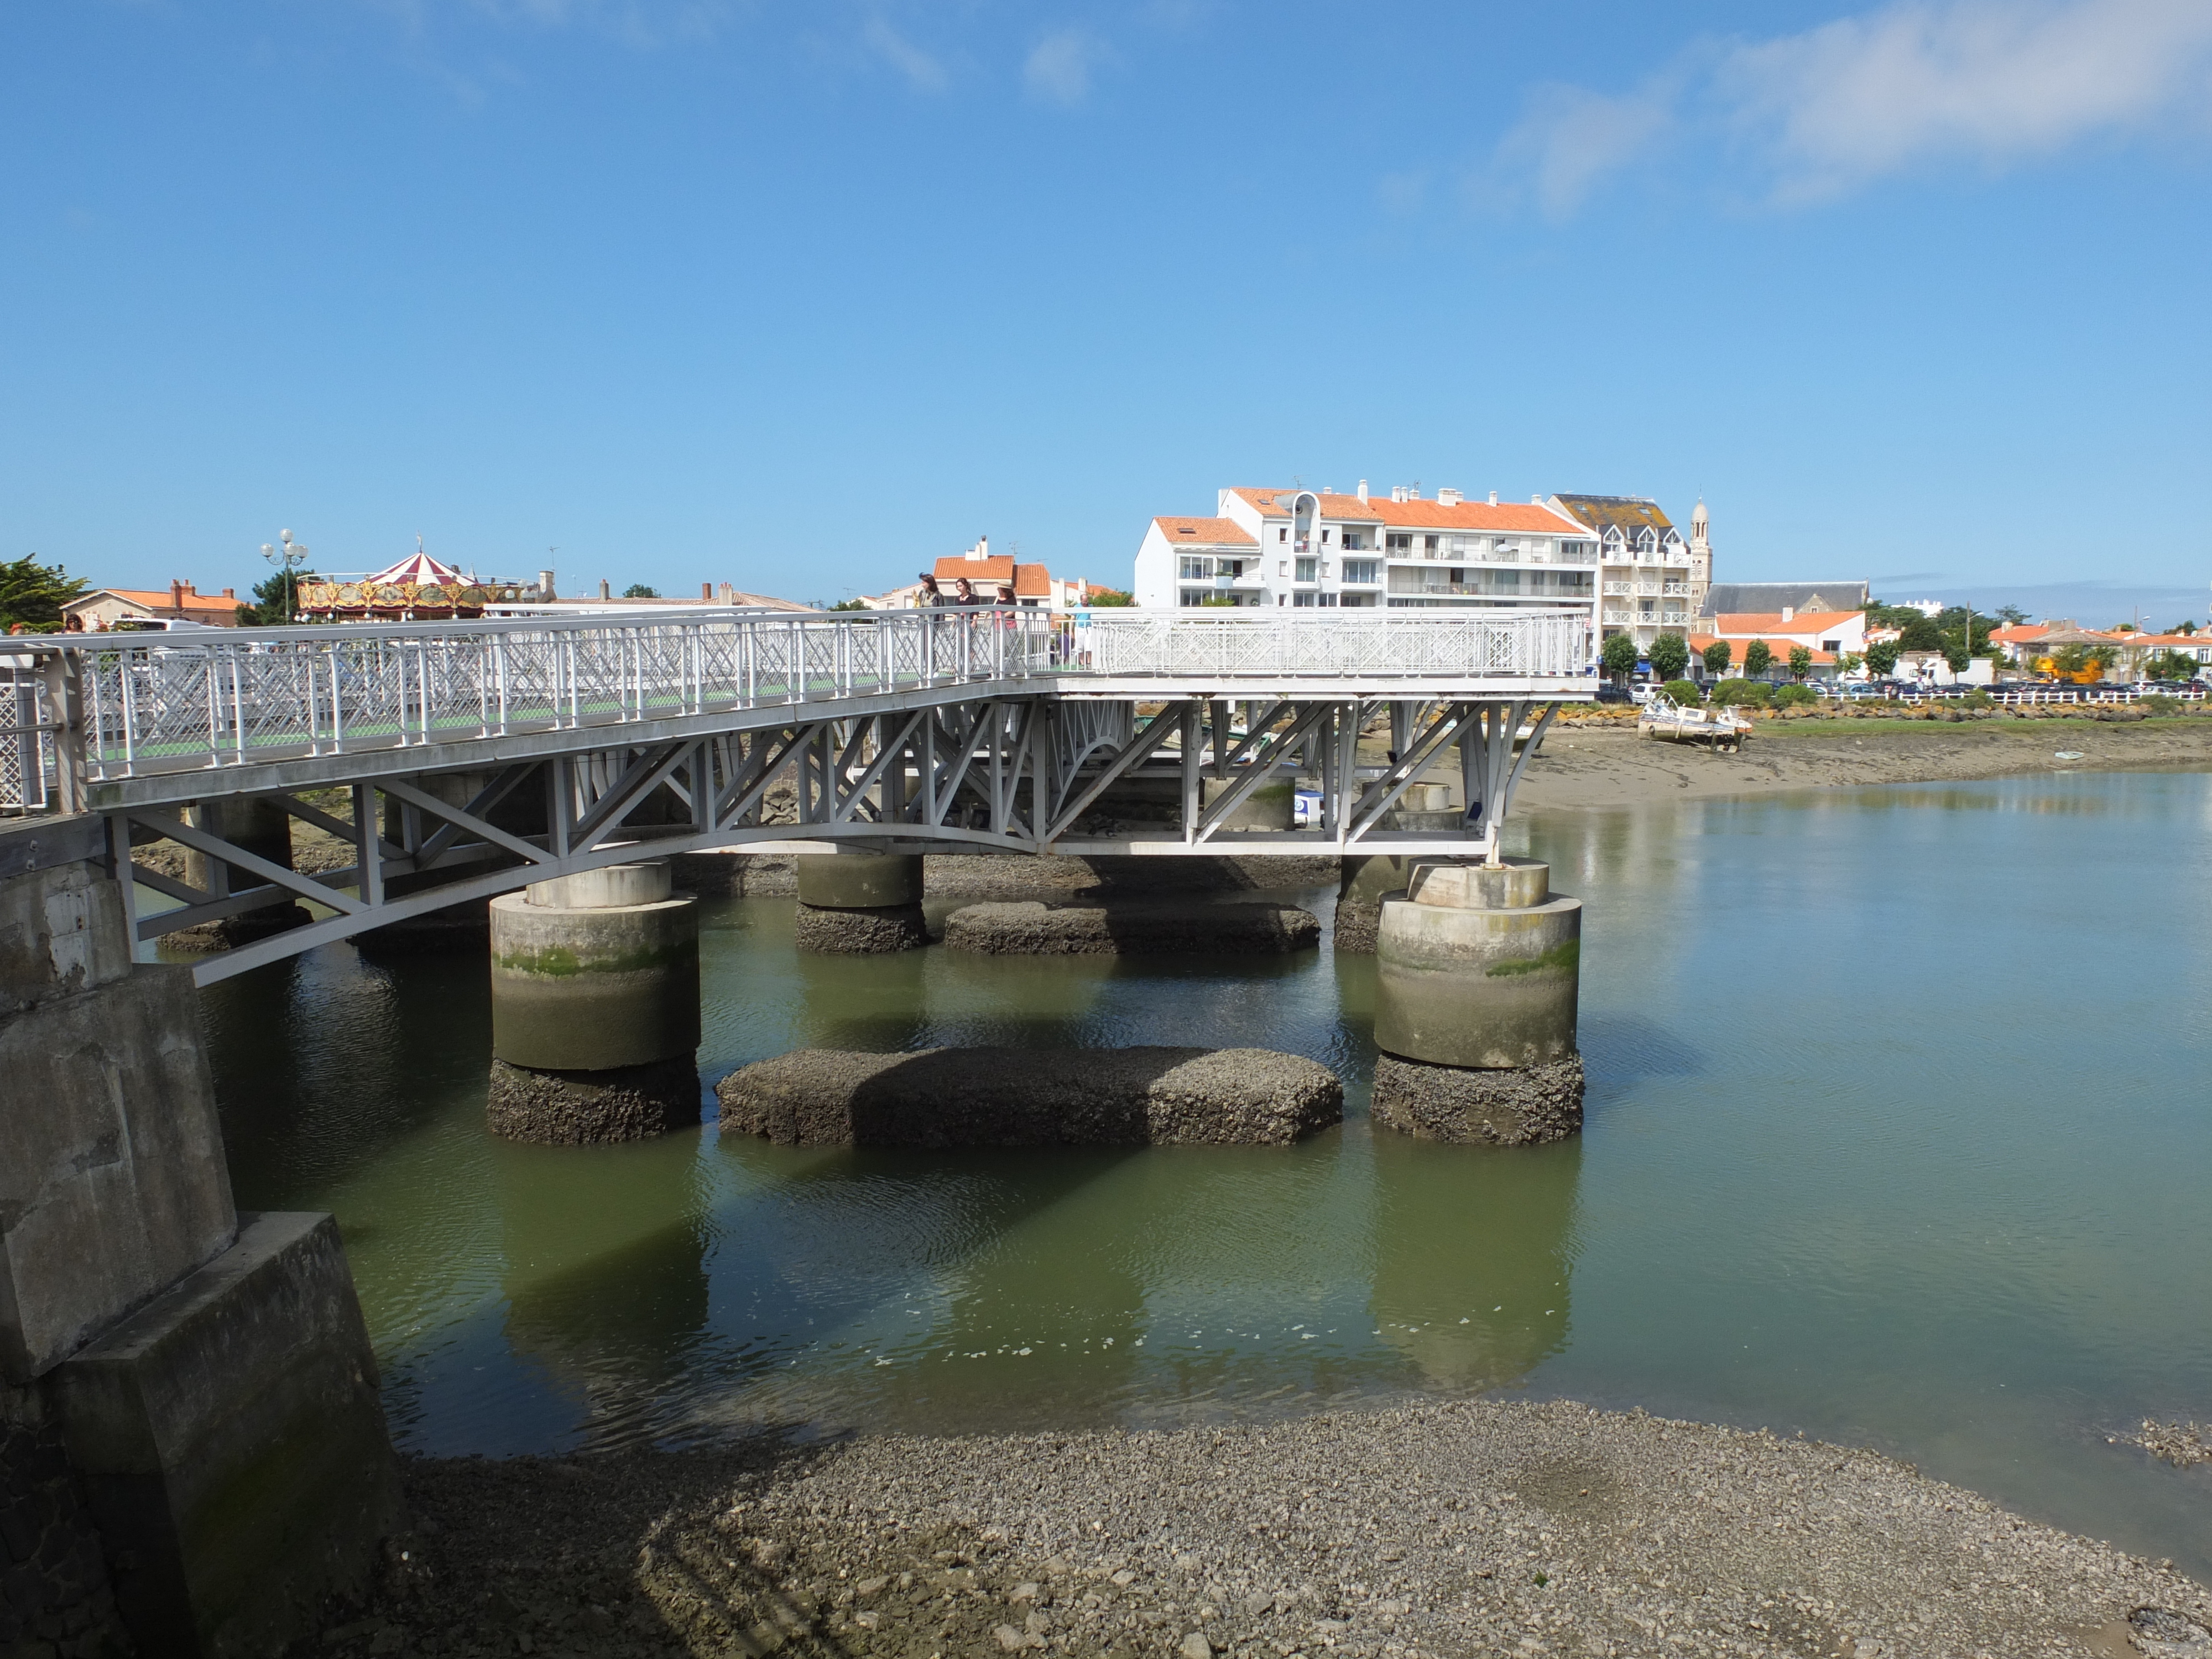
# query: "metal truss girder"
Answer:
x=1408 y=766
x=421 y=799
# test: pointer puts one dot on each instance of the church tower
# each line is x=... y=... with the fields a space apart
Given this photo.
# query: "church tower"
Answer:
x=1701 y=557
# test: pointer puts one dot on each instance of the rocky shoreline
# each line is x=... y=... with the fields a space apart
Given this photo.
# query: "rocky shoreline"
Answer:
x=1469 y=1527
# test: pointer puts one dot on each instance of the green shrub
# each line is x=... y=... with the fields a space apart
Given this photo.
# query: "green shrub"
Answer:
x=1978 y=698
x=1687 y=694
x=1789 y=697
x=2156 y=703
x=1743 y=694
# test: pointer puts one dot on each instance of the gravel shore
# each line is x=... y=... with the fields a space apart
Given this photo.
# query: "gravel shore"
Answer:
x=1474 y=1528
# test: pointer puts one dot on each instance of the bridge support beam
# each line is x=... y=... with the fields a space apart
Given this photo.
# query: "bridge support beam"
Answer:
x=1478 y=975
x=860 y=903
x=595 y=1008
x=256 y=825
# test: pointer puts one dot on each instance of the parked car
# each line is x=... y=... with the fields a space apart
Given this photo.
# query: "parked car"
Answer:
x=1610 y=693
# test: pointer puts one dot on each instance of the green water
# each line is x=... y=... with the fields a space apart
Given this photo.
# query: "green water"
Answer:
x=1897 y=1134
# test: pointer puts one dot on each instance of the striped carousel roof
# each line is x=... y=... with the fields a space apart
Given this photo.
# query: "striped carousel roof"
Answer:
x=419 y=568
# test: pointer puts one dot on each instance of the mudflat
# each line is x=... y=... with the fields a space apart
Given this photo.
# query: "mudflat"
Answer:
x=1591 y=763
x=1471 y=1527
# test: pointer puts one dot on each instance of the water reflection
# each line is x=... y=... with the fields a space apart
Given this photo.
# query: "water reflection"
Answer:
x=1472 y=1260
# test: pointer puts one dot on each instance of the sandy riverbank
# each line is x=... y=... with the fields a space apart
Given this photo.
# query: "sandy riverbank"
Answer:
x=1592 y=764
x=1464 y=1529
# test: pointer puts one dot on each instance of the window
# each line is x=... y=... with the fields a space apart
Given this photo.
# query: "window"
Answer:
x=1195 y=595
x=1308 y=570
x=1354 y=542
x=1304 y=601
x=1832 y=645
x=1360 y=571
x=1196 y=568
x=1283 y=535
x=1430 y=543
x=1326 y=534
x=1397 y=543
x=1282 y=567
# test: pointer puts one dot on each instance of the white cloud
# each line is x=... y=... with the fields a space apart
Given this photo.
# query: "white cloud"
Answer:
x=1918 y=81
x=1994 y=80
x=1570 y=138
x=1058 y=67
x=923 y=72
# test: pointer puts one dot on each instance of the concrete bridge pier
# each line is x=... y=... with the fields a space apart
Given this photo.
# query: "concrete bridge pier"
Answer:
x=860 y=903
x=594 y=1008
x=255 y=826
x=1477 y=977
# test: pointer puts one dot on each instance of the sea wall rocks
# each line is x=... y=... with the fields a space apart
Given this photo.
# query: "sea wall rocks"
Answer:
x=942 y=1098
x=1035 y=927
x=1518 y=1106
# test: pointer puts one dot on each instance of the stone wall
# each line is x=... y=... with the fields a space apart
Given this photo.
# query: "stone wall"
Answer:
x=55 y=1601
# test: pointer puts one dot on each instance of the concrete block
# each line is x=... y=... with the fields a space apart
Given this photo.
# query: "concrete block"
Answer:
x=1478 y=988
x=233 y=1447
x=61 y=932
x=1511 y=884
x=113 y=1182
x=1137 y=1096
x=1520 y=1106
x=860 y=933
x=593 y=1109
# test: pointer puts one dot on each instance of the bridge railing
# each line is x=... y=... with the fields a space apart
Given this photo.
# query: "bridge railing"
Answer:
x=163 y=703
x=1293 y=645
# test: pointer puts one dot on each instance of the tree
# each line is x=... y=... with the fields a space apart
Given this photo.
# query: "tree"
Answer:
x=842 y=604
x=2182 y=628
x=2171 y=665
x=276 y=599
x=34 y=593
x=2084 y=663
x=1800 y=662
x=1758 y=657
x=1717 y=656
x=1670 y=656
x=1618 y=656
x=1848 y=664
x=1110 y=596
x=1881 y=659
x=2011 y=615
x=640 y=591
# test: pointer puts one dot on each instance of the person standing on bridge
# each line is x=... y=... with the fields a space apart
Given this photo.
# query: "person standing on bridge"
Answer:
x=963 y=591
x=930 y=595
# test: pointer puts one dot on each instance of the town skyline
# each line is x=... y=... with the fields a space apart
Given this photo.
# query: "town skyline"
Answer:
x=692 y=292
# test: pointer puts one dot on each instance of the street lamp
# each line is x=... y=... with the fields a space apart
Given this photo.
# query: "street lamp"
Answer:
x=287 y=558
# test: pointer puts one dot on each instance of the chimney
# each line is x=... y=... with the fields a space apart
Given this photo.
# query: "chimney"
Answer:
x=1363 y=489
x=1789 y=610
x=729 y=594
x=229 y=594
x=1448 y=498
x=706 y=590
x=606 y=590
x=176 y=596
x=981 y=549
x=544 y=584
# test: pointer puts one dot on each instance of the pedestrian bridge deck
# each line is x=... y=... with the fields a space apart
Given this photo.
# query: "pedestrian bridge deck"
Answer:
x=956 y=730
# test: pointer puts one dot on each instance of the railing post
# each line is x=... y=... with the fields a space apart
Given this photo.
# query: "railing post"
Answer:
x=61 y=674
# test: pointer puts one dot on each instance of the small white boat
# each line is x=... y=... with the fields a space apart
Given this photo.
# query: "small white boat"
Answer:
x=1717 y=728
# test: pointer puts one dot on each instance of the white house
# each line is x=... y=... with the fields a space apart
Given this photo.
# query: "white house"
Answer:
x=1309 y=549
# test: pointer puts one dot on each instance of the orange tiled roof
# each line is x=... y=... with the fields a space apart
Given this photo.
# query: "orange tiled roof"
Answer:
x=2020 y=633
x=1780 y=647
x=1479 y=516
x=1736 y=624
x=998 y=567
x=158 y=599
x=1201 y=532
x=1032 y=581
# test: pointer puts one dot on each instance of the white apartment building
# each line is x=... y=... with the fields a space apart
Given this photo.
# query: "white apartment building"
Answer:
x=1650 y=580
x=1309 y=549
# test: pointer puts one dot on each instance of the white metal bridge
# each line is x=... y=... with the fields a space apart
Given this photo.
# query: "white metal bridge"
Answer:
x=498 y=753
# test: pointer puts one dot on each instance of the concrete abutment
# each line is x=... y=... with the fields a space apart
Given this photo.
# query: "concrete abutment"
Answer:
x=195 y=1458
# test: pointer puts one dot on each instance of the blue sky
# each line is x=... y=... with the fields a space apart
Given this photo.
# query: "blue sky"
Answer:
x=798 y=296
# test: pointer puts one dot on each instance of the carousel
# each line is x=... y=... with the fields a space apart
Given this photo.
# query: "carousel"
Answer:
x=419 y=588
